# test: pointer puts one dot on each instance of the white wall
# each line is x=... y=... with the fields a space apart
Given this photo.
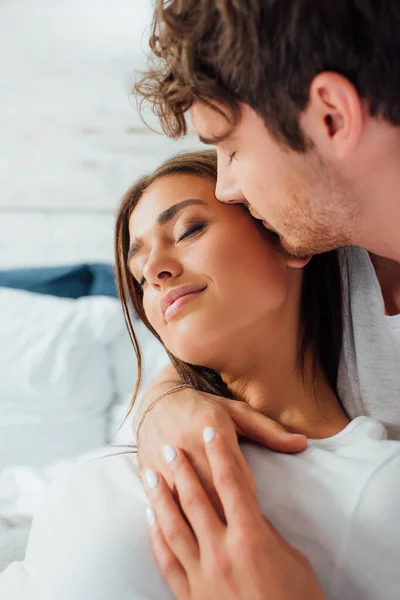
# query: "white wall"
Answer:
x=55 y=238
x=71 y=140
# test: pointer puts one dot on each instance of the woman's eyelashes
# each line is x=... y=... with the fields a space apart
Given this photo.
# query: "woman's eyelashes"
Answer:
x=188 y=232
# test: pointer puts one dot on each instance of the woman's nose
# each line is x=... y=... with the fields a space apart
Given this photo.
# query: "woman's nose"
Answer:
x=159 y=267
x=227 y=188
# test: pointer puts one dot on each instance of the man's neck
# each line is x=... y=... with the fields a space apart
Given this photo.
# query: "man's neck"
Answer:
x=375 y=180
x=388 y=274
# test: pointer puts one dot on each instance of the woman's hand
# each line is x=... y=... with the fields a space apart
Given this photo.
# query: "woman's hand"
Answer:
x=179 y=417
x=237 y=557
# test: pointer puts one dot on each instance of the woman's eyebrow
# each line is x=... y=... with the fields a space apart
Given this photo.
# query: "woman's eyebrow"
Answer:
x=164 y=217
x=168 y=214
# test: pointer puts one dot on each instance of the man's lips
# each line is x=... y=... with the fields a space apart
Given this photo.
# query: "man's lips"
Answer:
x=175 y=298
x=254 y=213
x=269 y=226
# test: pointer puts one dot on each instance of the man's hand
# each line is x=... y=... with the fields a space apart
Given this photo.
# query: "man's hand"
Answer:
x=179 y=417
x=237 y=557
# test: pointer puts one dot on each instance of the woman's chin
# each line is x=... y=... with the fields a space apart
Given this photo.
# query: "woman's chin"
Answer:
x=195 y=340
x=194 y=354
x=193 y=357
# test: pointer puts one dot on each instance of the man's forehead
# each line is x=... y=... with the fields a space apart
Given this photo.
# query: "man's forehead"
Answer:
x=212 y=125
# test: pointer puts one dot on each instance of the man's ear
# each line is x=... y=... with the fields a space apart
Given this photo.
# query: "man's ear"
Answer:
x=297 y=263
x=334 y=116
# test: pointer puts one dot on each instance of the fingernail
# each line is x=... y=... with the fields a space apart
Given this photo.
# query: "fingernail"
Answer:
x=151 y=478
x=151 y=516
x=208 y=434
x=169 y=453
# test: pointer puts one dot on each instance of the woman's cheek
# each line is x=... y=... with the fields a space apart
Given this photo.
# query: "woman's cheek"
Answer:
x=153 y=315
x=216 y=252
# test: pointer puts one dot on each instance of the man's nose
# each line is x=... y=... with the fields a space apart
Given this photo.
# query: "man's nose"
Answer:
x=229 y=194
x=227 y=188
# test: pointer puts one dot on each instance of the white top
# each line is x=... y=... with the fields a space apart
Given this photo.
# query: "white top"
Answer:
x=369 y=374
x=338 y=502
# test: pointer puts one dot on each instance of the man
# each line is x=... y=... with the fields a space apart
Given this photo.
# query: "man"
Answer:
x=301 y=100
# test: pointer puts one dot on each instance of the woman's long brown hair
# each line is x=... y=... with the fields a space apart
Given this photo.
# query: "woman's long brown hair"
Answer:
x=321 y=298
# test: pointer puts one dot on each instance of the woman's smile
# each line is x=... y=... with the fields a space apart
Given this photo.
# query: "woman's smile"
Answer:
x=182 y=240
x=172 y=302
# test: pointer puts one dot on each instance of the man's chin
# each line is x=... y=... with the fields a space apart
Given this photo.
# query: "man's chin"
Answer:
x=305 y=249
x=294 y=249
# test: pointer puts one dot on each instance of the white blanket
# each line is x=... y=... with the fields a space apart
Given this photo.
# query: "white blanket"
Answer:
x=22 y=488
x=21 y=492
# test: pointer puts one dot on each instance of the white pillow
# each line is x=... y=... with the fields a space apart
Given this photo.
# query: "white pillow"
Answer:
x=56 y=376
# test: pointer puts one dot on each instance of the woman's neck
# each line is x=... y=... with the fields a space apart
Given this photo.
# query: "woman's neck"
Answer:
x=270 y=379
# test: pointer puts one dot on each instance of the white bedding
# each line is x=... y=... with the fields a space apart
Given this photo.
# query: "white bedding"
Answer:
x=21 y=490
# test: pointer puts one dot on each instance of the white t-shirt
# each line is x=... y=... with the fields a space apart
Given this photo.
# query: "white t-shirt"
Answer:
x=369 y=373
x=337 y=502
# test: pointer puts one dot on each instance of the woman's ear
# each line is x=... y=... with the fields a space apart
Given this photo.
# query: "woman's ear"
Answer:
x=297 y=263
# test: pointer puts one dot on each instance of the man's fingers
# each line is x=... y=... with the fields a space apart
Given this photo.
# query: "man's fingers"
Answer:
x=171 y=569
x=238 y=499
x=255 y=426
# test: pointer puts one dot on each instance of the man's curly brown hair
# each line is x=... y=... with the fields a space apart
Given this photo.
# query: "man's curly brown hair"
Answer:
x=265 y=53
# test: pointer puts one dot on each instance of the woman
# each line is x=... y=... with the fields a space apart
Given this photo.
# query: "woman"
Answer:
x=241 y=317
x=317 y=341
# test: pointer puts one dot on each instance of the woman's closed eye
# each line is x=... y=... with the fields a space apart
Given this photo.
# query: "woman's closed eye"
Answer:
x=190 y=231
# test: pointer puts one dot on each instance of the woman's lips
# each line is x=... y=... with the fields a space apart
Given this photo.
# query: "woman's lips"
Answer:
x=172 y=301
x=179 y=303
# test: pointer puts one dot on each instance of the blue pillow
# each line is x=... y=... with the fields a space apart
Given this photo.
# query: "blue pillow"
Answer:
x=103 y=280
x=71 y=281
